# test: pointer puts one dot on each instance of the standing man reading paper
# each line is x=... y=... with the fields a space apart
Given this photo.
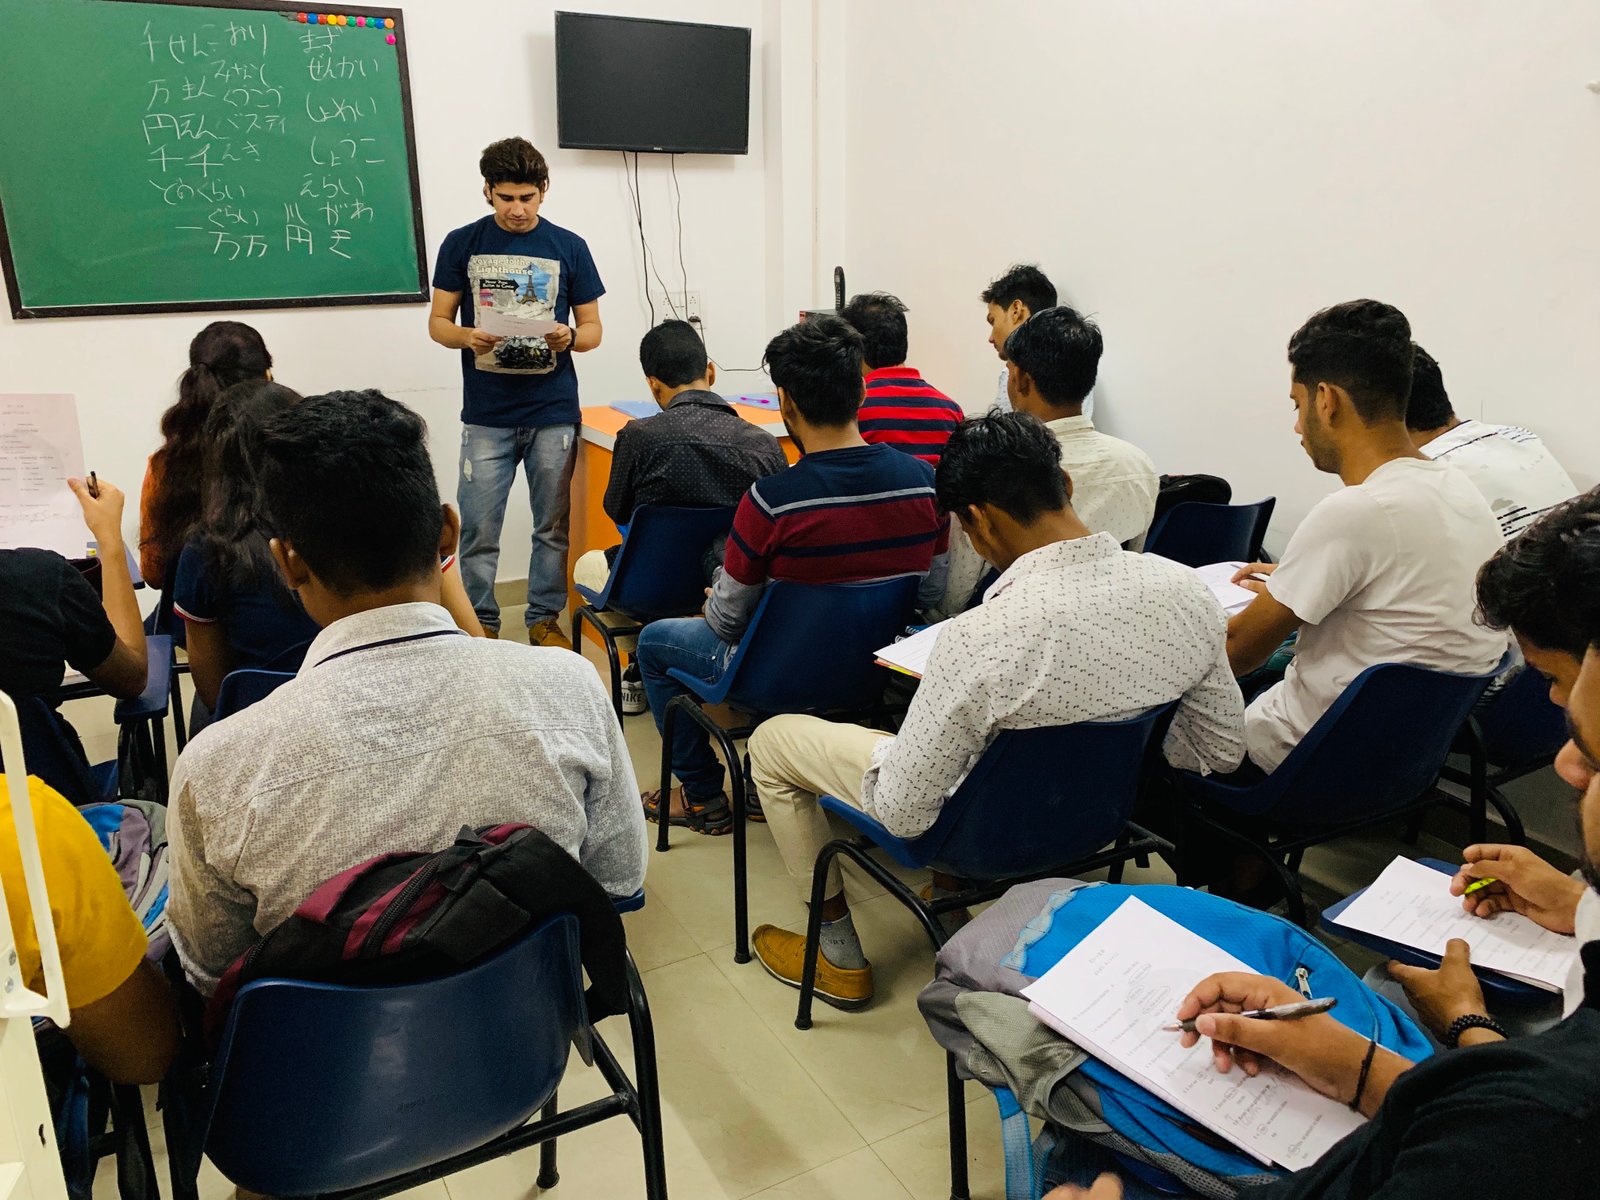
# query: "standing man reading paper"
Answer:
x=505 y=271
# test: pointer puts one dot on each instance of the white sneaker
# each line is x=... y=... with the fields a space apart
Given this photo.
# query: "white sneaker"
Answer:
x=633 y=699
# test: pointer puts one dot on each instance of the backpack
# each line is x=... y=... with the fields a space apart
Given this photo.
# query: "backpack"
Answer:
x=1094 y=1102
x=408 y=917
x=1181 y=489
x=134 y=835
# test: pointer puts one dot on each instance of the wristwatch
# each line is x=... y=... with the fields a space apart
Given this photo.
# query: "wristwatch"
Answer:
x=1452 y=1036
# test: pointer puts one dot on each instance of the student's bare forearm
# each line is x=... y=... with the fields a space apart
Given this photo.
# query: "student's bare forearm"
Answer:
x=117 y=598
x=586 y=336
x=447 y=333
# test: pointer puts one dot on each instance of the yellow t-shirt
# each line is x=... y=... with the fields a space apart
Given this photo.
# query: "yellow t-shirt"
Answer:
x=99 y=934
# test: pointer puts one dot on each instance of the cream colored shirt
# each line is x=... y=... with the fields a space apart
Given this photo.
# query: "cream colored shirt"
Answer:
x=1114 y=483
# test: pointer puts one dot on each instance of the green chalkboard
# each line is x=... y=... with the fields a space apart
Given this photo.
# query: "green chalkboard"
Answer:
x=183 y=156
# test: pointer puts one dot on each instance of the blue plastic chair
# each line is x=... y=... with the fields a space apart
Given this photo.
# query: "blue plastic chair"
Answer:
x=367 y=1091
x=1199 y=534
x=1515 y=733
x=809 y=648
x=242 y=688
x=657 y=573
x=1057 y=800
x=1376 y=755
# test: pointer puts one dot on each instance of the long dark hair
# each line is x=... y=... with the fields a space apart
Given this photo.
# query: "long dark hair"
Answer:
x=222 y=354
x=231 y=535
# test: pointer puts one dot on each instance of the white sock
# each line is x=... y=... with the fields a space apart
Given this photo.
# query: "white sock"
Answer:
x=841 y=946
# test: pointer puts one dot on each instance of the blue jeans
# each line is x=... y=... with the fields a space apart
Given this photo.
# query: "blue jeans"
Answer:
x=688 y=644
x=489 y=458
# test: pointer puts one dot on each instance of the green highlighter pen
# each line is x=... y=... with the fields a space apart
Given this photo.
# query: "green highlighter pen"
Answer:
x=1482 y=883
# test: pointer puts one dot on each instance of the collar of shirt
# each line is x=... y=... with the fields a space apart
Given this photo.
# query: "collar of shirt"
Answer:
x=1071 y=552
x=393 y=622
x=700 y=397
x=900 y=372
x=1078 y=424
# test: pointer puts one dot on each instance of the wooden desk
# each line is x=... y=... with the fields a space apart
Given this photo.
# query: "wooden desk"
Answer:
x=591 y=529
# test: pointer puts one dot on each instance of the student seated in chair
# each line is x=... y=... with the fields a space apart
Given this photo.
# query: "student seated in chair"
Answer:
x=846 y=512
x=1053 y=358
x=1014 y=296
x=1519 y=1116
x=51 y=619
x=124 y=1018
x=1381 y=571
x=696 y=453
x=901 y=409
x=1074 y=630
x=1512 y=467
x=399 y=728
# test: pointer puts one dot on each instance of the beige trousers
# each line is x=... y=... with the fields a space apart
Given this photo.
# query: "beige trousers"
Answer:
x=794 y=759
x=592 y=571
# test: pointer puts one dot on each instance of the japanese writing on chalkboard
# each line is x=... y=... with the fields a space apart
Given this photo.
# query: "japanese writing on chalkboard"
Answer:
x=220 y=96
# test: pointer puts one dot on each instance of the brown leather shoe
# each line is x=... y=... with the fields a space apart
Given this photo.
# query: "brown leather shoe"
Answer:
x=548 y=633
x=782 y=953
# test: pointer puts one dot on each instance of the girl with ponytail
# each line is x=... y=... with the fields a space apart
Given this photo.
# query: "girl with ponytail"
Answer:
x=222 y=354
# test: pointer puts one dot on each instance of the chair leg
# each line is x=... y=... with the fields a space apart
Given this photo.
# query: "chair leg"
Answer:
x=808 y=974
x=136 y=1168
x=180 y=723
x=956 y=1098
x=586 y=614
x=1479 y=810
x=1515 y=830
x=548 y=1175
x=669 y=723
x=647 y=1085
x=741 y=822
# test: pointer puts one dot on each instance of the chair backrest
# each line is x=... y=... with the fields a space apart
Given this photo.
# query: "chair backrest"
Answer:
x=53 y=752
x=318 y=1088
x=1039 y=798
x=811 y=647
x=659 y=571
x=1381 y=745
x=242 y=688
x=1522 y=726
x=1198 y=534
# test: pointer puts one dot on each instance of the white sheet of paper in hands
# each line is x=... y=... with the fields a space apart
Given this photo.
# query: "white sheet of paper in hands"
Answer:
x=1113 y=992
x=40 y=448
x=501 y=323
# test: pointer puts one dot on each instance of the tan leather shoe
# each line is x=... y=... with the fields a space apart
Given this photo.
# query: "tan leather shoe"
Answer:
x=782 y=953
x=548 y=633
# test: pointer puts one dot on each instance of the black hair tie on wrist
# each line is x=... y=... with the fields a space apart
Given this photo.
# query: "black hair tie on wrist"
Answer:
x=1366 y=1068
x=1452 y=1036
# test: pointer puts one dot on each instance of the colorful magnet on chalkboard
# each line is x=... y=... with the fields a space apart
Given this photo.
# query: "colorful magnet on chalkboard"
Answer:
x=390 y=39
x=316 y=19
x=301 y=17
x=344 y=20
x=388 y=22
x=360 y=21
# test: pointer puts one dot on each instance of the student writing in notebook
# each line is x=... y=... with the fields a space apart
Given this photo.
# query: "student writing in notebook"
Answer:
x=1074 y=630
x=1517 y=1120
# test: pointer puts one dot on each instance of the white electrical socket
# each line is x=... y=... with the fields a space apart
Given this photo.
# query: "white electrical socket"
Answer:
x=687 y=305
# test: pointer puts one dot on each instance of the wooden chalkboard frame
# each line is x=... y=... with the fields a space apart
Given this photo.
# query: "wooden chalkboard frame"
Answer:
x=14 y=287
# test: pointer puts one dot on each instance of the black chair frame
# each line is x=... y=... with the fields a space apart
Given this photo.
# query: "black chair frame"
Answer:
x=639 y=1099
x=1484 y=784
x=1134 y=843
x=587 y=614
x=1283 y=853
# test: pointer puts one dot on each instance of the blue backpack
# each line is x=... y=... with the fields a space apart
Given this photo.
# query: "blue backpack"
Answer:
x=1149 y=1136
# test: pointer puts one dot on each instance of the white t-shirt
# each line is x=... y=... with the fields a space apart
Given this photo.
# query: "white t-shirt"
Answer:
x=1380 y=572
x=1512 y=467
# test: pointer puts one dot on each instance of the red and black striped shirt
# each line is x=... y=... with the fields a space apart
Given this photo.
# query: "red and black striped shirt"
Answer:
x=903 y=410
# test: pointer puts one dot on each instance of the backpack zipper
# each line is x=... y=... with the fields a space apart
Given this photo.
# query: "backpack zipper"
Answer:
x=401 y=906
x=1302 y=981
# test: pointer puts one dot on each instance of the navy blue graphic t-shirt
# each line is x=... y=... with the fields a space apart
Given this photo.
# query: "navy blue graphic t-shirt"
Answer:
x=536 y=276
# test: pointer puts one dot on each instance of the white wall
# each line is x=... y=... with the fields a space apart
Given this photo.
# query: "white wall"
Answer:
x=1202 y=177
x=123 y=369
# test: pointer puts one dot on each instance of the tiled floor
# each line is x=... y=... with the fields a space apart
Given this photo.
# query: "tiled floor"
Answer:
x=852 y=1108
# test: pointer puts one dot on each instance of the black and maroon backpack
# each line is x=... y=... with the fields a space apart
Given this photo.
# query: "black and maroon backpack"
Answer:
x=407 y=917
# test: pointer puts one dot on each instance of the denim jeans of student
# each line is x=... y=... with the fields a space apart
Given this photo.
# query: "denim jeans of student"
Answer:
x=688 y=644
x=489 y=458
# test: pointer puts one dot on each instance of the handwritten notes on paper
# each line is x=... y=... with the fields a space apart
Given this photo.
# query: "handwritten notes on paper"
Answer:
x=1219 y=578
x=1411 y=904
x=1113 y=992
x=39 y=449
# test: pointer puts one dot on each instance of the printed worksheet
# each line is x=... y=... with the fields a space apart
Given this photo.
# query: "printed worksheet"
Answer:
x=1411 y=904
x=1117 y=989
x=1219 y=578
x=910 y=654
x=39 y=448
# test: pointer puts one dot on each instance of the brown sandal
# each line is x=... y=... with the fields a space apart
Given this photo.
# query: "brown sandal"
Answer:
x=714 y=818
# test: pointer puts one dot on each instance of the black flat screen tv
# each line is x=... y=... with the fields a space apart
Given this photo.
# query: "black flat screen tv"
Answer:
x=632 y=83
